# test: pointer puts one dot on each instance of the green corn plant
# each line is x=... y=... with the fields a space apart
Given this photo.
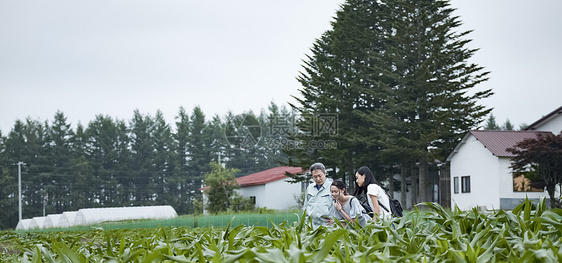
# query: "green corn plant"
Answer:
x=526 y=234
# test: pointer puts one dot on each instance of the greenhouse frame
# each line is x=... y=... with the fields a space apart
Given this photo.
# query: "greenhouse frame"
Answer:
x=88 y=216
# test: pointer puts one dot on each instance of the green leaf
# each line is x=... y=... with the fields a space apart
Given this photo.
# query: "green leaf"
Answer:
x=122 y=245
x=36 y=255
x=527 y=211
x=328 y=244
x=176 y=258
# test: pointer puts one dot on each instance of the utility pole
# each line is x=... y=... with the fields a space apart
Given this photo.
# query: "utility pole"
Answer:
x=19 y=187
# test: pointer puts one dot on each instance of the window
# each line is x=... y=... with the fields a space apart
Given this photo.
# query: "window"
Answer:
x=456 y=184
x=465 y=184
x=523 y=184
x=253 y=199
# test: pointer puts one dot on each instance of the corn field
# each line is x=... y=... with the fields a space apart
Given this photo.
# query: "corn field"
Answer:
x=526 y=234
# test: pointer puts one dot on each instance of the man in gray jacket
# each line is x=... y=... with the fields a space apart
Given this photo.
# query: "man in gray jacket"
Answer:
x=318 y=200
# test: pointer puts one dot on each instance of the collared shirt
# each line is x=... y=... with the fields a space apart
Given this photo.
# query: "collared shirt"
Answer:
x=318 y=203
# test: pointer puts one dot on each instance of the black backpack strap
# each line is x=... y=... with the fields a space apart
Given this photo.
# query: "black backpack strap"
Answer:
x=380 y=204
x=351 y=201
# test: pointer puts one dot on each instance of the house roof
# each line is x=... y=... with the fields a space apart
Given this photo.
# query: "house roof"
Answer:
x=267 y=176
x=535 y=125
x=498 y=141
x=264 y=177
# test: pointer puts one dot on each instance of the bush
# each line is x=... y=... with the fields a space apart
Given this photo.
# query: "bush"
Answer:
x=240 y=203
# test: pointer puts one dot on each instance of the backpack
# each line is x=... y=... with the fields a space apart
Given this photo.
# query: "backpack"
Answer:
x=395 y=206
x=365 y=204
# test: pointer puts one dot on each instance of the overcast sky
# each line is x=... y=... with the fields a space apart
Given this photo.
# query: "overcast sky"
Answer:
x=87 y=58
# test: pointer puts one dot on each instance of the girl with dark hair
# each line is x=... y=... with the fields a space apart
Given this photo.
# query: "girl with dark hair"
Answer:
x=346 y=207
x=367 y=187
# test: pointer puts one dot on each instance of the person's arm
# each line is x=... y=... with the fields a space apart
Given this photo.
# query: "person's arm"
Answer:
x=376 y=207
x=339 y=208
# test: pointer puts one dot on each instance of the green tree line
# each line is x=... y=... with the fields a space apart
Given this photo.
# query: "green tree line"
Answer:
x=391 y=85
x=111 y=162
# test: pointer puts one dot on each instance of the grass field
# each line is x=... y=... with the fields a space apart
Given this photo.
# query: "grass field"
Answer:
x=247 y=219
x=525 y=234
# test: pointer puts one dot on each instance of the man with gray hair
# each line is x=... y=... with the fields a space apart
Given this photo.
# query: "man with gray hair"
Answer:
x=318 y=200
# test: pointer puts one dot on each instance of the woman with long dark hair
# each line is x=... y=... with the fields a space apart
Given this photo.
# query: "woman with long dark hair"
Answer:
x=367 y=187
x=346 y=207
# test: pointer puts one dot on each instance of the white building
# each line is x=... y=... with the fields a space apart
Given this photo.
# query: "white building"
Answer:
x=480 y=167
x=270 y=188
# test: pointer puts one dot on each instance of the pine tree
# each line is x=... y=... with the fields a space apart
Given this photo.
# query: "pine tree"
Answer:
x=430 y=78
x=26 y=143
x=60 y=155
x=276 y=127
x=142 y=144
x=182 y=139
x=491 y=123
x=245 y=149
x=508 y=126
x=9 y=188
x=397 y=75
x=181 y=197
x=107 y=153
x=218 y=143
x=338 y=90
x=162 y=160
x=199 y=155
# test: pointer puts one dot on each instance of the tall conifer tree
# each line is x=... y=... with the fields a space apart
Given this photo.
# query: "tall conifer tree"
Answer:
x=397 y=75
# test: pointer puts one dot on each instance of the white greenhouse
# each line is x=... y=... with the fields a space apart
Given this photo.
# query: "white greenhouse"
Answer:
x=67 y=218
x=23 y=224
x=52 y=221
x=37 y=222
x=90 y=216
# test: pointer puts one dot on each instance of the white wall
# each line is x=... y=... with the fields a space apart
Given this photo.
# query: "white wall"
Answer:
x=506 y=183
x=554 y=125
x=474 y=160
x=258 y=191
x=278 y=195
x=281 y=194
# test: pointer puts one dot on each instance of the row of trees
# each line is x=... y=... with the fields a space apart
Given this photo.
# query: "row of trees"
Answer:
x=491 y=124
x=390 y=86
x=111 y=162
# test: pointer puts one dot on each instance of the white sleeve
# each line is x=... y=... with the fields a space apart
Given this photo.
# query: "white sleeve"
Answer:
x=374 y=190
